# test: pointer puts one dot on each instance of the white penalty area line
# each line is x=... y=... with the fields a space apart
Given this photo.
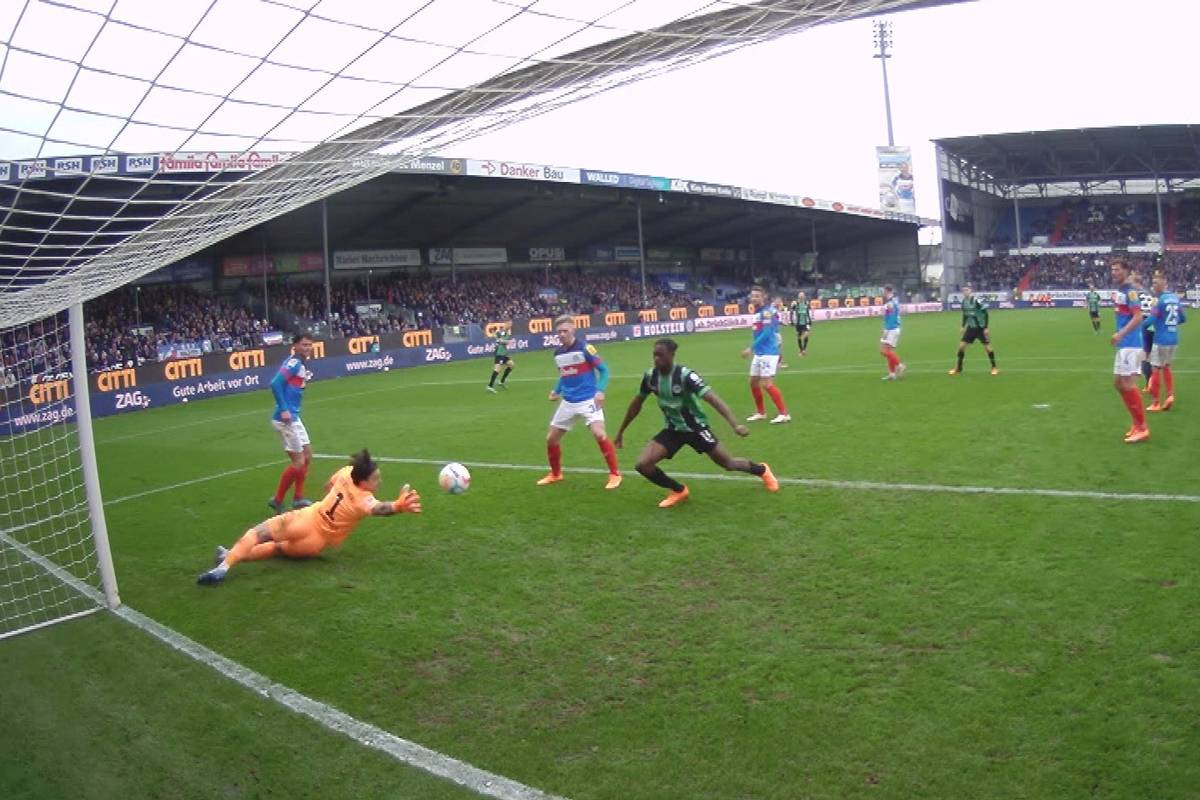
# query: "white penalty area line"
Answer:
x=822 y=483
x=482 y=782
x=192 y=482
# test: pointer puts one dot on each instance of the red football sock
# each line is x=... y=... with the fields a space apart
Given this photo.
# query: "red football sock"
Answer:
x=301 y=474
x=1152 y=385
x=777 y=398
x=285 y=480
x=1133 y=402
x=1169 y=379
x=892 y=360
x=758 y=398
x=554 y=454
x=610 y=455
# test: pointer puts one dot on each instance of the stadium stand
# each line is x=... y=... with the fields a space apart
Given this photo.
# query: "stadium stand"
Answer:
x=1076 y=270
x=1187 y=223
x=137 y=325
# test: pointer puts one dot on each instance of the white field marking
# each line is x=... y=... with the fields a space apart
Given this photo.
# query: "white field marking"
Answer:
x=482 y=782
x=822 y=483
x=191 y=482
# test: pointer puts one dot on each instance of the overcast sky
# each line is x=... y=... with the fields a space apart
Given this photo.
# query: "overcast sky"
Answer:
x=804 y=114
x=800 y=115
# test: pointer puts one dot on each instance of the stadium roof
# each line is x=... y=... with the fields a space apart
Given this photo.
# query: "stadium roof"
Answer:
x=398 y=210
x=431 y=202
x=1165 y=152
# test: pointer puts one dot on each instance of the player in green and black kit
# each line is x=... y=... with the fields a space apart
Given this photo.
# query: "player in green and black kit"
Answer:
x=678 y=391
x=974 y=326
x=503 y=338
x=1093 y=301
x=802 y=319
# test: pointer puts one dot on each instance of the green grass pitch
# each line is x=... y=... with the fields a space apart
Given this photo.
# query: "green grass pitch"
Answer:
x=823 y=642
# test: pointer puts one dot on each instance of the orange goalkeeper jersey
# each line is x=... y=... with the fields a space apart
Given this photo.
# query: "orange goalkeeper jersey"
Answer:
x=342 y=508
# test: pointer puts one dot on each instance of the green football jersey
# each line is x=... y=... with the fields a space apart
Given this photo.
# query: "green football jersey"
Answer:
x=1093 y=301
x=678 y=395
x=800 y=313
x=975 y=313
x=503 y=338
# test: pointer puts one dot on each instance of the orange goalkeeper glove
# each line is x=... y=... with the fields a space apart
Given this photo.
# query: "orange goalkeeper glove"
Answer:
x=408 y=501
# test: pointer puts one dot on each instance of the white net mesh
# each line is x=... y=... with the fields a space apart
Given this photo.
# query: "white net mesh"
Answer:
x=353 y=88
x=45 y=530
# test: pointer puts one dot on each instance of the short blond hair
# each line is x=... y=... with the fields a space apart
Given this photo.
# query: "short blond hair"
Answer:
x=564 y=319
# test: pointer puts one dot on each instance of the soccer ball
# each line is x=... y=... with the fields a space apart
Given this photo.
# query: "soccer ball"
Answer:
x=454 y=478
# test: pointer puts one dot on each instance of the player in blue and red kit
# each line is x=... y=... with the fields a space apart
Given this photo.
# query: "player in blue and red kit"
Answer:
x=890 y=338
x=288 y=388
x=1168 y=316
x=1128 y=341
x=764 y=354
x=582 y=379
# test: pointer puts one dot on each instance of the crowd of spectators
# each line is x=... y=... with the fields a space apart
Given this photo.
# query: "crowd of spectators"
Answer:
x=134 y=325
x=1077 y=270
x=39 y=348
x=422 y=302
x=1000 y=273
x=1187 y=223
x=1085 y=222
x=1099 y=223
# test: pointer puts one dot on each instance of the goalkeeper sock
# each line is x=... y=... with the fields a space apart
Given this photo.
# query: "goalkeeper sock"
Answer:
x=492 y=382
x=504 y=377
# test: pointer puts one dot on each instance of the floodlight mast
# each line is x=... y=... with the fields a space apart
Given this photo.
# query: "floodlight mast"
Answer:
x=883 y=41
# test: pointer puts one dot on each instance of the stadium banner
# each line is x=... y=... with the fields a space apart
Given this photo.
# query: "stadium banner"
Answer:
x=136 y=165
x=778 y=198
x=958 y=212
x=547 y=254
x=986 y=297
x=376 y=259
x=432 y=165
x=669 y=254
x=193 y=269
x=281 y=264
x=468 y=255
x=608 y=253
x=722 y=255
x=896 y=185
x=1045 y=295
x=624 y=180
x=600 y=178
x=190 y=270
x=252 y=161
x=523 y=172
x=705 y=188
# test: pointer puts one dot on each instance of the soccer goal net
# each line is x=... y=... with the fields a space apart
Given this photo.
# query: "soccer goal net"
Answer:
x=333 y=92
